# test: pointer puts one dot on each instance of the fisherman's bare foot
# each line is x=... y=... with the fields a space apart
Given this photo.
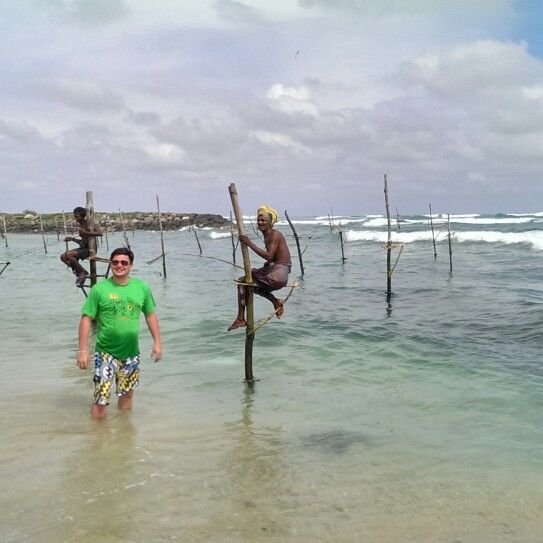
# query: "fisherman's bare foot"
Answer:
x=279 y=309
x=238 y=323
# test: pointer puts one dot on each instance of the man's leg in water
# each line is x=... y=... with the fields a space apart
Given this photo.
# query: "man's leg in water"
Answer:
x=240 y=319
x=125 y=401
x=98 y=411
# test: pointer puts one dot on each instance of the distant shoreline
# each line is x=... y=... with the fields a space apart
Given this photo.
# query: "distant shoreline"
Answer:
x=28 y=222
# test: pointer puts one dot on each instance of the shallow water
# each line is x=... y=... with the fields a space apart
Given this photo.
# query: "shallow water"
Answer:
x=415 y=422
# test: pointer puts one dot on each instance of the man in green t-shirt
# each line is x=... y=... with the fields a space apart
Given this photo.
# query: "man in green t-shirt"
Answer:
x=116 y=304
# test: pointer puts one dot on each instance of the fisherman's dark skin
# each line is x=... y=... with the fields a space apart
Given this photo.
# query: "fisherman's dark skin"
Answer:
x=71 y=258
x=276 y=251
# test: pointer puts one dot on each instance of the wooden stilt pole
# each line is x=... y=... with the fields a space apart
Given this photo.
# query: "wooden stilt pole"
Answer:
x=450 y=244
x=197 y=239
x=5 y=230
x=232 y=239
x=297 y=243
x=249 y=305
x=343 y=259
x=127 y=243
x=92 y=239
x=398 y=220
x=433 y=234
x=43 y=235
x=65 y=227
x=389 y=244
x=107 y=240
x=161 y=237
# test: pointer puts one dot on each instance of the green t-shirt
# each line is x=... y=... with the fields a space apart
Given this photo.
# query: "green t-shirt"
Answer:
x=117 y=310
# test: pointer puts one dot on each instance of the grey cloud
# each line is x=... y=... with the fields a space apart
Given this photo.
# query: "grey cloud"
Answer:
x=144 y=118
x=498 y=85
x=213 y=135
x=233 y=11
x=391 y=7
x=83 y=95
x=19 y=132
x=85 y=13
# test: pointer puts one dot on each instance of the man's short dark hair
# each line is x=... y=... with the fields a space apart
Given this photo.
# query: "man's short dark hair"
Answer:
x=123 y=251
x=80 y=211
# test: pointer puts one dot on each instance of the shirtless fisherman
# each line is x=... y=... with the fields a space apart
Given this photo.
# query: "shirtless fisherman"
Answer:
x=71 y=258
x=274 y=274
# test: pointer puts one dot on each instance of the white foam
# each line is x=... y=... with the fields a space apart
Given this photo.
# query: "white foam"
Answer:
x=308 y=221
x=534 y=237
x=460 y=215
x=376 y=222
x=539 y=214
x=497 y=220
x=381 y=237
x=219 y=235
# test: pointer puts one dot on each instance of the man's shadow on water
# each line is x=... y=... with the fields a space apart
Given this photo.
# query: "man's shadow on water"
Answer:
x=256 y=479
x=98 y=484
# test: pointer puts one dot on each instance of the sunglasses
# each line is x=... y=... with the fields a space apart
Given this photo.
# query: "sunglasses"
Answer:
x=116 y=262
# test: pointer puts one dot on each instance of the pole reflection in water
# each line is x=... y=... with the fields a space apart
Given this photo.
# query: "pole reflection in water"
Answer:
x=256 y=482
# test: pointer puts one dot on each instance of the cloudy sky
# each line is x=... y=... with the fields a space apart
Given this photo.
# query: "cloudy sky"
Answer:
x=304 y=104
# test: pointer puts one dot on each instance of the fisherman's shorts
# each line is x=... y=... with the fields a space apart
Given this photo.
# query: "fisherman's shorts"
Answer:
x=126 y=374
x=272 y=276
x=82 y=253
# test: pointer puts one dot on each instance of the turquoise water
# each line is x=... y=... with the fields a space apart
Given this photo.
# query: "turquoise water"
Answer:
x=419 y=421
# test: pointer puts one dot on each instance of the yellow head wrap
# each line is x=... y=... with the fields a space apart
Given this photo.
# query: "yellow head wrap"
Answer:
x=270 y=212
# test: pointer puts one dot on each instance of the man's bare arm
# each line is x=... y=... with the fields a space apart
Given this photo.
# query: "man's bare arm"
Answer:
x=152 y=324
x=82 y=353
x=266 y=255
x=95 y=232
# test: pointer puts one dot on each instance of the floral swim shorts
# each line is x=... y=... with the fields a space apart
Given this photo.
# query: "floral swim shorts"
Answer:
x=106 y=368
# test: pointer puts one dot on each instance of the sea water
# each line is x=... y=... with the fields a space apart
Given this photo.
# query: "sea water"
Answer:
x=417 y=420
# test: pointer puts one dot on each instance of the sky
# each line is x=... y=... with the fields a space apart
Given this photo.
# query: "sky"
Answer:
x=303 y=104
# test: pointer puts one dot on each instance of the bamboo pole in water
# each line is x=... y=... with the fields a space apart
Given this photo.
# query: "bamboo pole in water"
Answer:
x=297 y=243
x=65 y=227
x=330 y=223
x=107 y=240
x=5 y=230
x=43 y=235
x=389 y=244
x=249 y=305
x=92 y=239
x=450 y=244
x=161 y=237
x=343 y=258
x=433 y=234
x=232 y=239
x=197 y=239
x=398 y=220
x=127 y=243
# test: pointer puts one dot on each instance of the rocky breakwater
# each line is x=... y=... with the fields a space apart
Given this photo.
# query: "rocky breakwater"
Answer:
x=29 y=221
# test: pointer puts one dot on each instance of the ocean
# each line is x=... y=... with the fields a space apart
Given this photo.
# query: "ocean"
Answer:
x=413 y=421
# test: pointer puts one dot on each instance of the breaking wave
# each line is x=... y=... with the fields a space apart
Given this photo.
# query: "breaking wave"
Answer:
x=534 y=237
